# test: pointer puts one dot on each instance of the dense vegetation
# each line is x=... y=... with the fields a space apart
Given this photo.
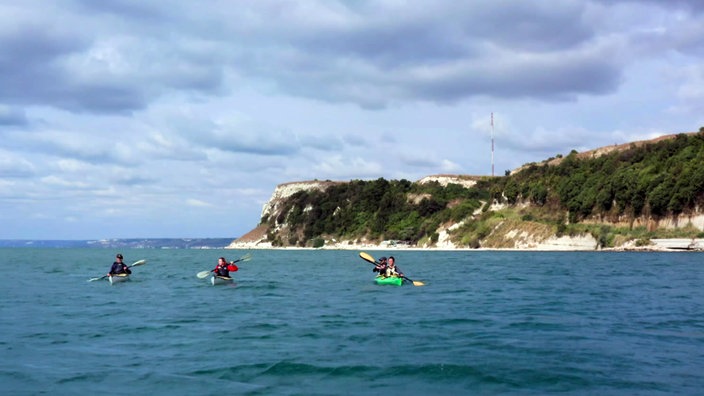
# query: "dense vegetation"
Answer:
x=656 y=180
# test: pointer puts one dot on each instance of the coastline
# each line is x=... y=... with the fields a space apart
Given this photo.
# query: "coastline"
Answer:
x=658 y=245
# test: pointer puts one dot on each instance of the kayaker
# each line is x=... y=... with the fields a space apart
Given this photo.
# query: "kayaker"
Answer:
x=221 y=269
x=380 y=267
x=118 y=267
x=392 y=269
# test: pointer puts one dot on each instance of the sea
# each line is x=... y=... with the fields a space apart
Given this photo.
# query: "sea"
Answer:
x=312 y=322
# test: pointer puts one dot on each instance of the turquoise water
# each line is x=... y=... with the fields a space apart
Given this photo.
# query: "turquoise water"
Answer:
x=312 y=322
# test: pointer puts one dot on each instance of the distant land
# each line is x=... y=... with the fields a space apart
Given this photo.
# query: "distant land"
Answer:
x=643 y=195
x=133 y=243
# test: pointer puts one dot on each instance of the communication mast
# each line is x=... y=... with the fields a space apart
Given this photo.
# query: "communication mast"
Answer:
x=492 y=144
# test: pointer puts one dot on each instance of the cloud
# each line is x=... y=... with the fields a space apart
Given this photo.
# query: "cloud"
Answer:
x=437 y=53
x=691 y=86
x=95 y=69
x=250 y=141
x=137 y=113
x=197 y=203
x=12 y=116
x=62 y=182
x=418 y=161
x=156 y=144
x=693 y=5
x=338 y=167
x=15 y=166
x=450 y=166
x=92 y=148
x=333 y=52
x=547 y=140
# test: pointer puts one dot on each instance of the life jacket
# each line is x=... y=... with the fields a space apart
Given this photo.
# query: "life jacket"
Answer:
x=391 y=271
x=222 y=271
x=118 y=268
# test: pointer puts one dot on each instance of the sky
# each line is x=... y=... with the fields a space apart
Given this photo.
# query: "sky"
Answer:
x=147 y=119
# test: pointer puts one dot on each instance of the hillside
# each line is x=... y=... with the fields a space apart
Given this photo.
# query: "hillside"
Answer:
x=612 y=197
x=598 y=152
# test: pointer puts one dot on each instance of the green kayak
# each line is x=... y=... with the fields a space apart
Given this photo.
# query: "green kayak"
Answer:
x=388 y=280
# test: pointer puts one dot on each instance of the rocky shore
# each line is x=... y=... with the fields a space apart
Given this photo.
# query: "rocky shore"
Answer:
x=565 y=243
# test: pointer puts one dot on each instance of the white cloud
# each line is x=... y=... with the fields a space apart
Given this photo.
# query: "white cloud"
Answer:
x=450 y=166
x=64 y=183
x=197 y=203
x=15 y=166
x=338 y=167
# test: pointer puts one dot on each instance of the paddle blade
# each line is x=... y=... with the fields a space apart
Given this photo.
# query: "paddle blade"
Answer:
x=415 y=283
x=203 y=274
x=368 y=257
x=95 y=279
x=137 y=263
x=246 y=257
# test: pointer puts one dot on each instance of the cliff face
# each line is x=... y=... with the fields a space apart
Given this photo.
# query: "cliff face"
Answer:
x=285 y=190
x=444 y=180
x=257 y=238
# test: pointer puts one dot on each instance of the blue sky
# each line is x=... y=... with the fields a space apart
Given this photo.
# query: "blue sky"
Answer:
x=178 y=119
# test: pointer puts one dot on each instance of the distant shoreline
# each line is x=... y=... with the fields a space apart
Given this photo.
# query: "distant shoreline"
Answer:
x=660 y=245
x=124 y=243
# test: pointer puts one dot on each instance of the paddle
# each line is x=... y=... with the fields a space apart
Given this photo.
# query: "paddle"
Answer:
x=136 y=263
x=246 y=257
x=415 y=283
x=368 y=257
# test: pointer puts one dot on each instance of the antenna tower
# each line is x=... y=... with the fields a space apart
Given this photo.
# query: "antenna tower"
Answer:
x=492 y=144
